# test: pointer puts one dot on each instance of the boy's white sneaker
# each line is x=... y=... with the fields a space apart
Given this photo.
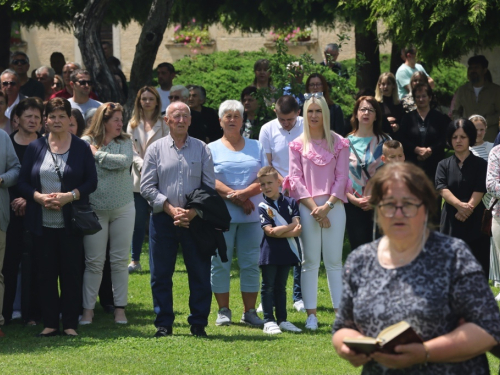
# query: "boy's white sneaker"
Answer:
x=299 y=306
x=271 y=328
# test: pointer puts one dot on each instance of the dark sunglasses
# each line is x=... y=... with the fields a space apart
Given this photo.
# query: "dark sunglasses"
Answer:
x=19 y=62
x=175 y=97
x=83 y=82
x=7 y=83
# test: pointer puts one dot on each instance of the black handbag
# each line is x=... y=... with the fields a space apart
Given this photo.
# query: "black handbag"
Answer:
x=84 y=220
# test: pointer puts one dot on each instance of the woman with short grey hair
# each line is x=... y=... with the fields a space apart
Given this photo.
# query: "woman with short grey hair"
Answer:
x=237 y=161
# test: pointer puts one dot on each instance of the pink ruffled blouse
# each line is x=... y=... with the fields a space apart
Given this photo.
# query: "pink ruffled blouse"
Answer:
x=318 y=172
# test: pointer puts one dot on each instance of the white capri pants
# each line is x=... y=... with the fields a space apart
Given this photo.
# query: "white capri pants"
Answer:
x=317 y=242
x=118 y=227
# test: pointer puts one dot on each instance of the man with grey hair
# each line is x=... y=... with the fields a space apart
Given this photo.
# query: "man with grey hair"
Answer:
x=197 y=129
x=20 y=63
x=174 y=166
x=10 y=87
x=209 y=116
x=45 y=75
x=331 y=55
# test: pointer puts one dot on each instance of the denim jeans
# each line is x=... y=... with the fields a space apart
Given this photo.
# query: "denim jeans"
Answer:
x=164 y=240
x=141 y=218
x=274 y=290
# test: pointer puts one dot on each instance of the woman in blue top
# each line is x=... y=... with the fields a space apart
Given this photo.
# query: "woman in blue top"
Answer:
x=237 y=161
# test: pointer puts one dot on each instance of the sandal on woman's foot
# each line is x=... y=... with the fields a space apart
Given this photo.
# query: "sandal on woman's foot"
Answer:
x=120 y=317
x=87 y=316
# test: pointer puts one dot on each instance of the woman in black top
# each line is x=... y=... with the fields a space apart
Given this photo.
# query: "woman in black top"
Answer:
x=423 y=131
x=386 y=93
x=461 y=181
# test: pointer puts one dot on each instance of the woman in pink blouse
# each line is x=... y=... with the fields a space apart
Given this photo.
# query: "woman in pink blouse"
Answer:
x=318 y=178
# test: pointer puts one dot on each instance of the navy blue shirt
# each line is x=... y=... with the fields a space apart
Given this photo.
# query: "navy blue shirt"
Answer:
x=277 y=251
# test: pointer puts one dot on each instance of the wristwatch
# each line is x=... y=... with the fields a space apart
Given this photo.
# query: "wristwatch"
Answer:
x=74 y=195
x=330 y=204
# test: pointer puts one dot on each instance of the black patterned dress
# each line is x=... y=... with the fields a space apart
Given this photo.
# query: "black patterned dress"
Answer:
x=441 y=285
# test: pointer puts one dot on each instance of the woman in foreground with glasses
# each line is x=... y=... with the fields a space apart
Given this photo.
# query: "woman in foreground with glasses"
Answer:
x=461 y=181
x=416 y=275
x=145 y=127
x=113 y=202
x=317 y=83
x=366 y=141
x=318 y=178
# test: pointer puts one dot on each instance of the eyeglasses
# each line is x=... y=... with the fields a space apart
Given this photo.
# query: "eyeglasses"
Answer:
x=8 y=83
x=19 y=62
x=83 y=82
x=365 y=109
x=315 y=84
x=408 y=210
x=174 y=97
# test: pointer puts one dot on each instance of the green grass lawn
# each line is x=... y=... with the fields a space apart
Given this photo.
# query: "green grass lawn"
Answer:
x=107 y=348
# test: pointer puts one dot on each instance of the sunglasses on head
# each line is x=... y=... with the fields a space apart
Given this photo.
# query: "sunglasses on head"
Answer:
x=83 y=82
x=19 y=62
x=9 y=83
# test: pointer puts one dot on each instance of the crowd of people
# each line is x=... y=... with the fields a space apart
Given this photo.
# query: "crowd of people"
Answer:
x=273 y=194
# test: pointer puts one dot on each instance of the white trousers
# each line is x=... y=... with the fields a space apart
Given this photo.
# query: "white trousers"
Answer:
x=317 y=242
x=118 y=227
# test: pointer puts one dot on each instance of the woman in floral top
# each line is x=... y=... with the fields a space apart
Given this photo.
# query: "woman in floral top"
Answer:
x=318 y=177
x=113 y=202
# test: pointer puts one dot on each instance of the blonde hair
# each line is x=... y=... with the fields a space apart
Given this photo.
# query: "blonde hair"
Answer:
x=103 y=114
x=378 y=93
x=267 y=171
x=138 y=112
x=306 y=135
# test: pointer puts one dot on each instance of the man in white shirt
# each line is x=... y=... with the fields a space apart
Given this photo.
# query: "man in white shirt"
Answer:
x=11 y=88
x=406 y=70
x=275 y=137
x=82 y=86
x=166 y=74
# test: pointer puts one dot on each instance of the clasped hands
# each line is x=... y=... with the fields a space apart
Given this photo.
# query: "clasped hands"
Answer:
x=408 y=355
x=18 y=205
x=181 y=216
x=464 y=210
x=423 y=153
x=320 y=215
x=241 y=199
x=53 y=201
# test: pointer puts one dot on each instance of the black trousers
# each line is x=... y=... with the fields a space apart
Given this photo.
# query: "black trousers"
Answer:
x=19 y=251
x=59 y=257
x=359 y=225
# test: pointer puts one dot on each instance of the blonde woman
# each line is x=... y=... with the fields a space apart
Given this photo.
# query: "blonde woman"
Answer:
x=386 y=93
x=145 y=127
x=113 y=202
x=318 y=177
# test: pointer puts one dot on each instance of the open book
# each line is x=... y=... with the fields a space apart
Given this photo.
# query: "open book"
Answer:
x=398 y=334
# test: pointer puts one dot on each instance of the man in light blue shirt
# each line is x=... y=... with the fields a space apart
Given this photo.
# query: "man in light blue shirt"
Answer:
x=173 y=167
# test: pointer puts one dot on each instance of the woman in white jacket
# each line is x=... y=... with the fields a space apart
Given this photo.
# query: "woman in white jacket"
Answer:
x=145 y=127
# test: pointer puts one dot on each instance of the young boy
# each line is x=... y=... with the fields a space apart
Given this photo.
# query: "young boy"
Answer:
x=392 y=151
x=279 y=249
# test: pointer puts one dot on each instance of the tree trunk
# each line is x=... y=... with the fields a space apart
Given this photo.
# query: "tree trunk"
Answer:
x=5 y=27
x=395 y=58
x=87 y=30
x=366 y=42
x=147 y=49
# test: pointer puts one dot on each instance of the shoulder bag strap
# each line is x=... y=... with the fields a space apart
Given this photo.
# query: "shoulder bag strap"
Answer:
x=493 y=205
x=55 y=164
x=361 y=164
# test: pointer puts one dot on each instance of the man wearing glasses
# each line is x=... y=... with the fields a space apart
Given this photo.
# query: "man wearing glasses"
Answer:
x=81 y=84
x=20 y=63
x=10 y=87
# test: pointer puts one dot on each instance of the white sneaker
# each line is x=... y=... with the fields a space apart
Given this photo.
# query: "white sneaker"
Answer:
x=299 y=306
x=223 y=317
x=16 y=314
x=271 y=328
x=259 y=309
x=497 y=298
x=287 y=326
x=312 y=322
x=134 y=267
